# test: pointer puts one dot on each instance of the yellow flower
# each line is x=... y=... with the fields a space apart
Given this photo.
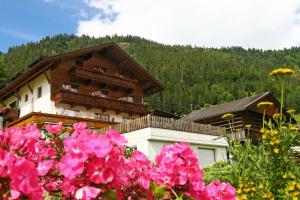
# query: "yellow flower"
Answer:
x=248 y=126
x=264 y=136
x=227 y=116
x=253 y=189
x=268 y=195
x=284 y=175
x=292 y=185
x=273 y=132
x=276 y=141
x=246 y=190
x=242 y=197
x=276 y=116
x=264 y=105
x=276 y=150
x=282 y=71
x=291 y=111
x=283 y=128
x=261 y=186
x=263 y=131
x=292 y=176
x=271 y=142
x=294 y=128
x=239 y=191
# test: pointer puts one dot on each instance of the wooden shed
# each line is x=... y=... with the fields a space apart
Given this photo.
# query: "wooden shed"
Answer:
x=245 y=112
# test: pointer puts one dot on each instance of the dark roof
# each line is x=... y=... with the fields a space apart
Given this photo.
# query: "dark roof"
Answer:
x=44 y=63
x=229 y=107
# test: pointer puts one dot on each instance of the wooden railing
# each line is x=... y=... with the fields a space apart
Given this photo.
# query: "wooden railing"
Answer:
x=103 y=77
x=43 y=118
x=80 y=99
x=165 y=123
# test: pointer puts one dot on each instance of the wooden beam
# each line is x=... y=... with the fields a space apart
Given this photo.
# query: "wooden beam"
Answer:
x=17 y=95
x=47 y=77
x=146 y=85
x=3 y=104
x=29 y=87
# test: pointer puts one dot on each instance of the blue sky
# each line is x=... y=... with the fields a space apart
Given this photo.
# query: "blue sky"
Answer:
x=22 y=21
x=264 y=24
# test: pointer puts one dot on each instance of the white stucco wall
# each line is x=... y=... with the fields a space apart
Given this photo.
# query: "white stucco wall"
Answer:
x=151 y=140
x=34 y=104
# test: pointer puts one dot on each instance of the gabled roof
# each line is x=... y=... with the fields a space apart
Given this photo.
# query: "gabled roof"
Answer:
x=229 y=107
x=44 y=63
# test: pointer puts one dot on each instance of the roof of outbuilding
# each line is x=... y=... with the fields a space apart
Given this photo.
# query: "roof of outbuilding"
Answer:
x=229 y=107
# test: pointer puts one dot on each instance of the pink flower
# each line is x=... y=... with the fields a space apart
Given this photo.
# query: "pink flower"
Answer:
x=116 y=137
x=54 y=128
x=71 y=166
x=87 y=192
x=177 y=165
x=24 y=177
x=44 y=166
x=98 y=173
x=99 y=146
x=79 y=126
x=218 y=190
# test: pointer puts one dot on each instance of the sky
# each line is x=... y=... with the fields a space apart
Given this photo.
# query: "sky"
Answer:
x=263 y=24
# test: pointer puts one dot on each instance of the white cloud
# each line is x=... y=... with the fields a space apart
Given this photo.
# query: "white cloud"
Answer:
x=266 y=24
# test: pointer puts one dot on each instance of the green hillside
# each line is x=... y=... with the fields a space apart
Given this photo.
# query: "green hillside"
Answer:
x=193 y=77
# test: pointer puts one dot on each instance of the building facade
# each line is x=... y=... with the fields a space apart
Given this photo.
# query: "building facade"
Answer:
x=100 y=85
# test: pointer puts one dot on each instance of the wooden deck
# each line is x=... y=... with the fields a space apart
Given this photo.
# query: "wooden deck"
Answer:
x=164 y=123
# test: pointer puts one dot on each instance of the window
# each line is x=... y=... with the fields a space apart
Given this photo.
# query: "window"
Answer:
x=39 y=92
x=104 y=117
x=26 y=97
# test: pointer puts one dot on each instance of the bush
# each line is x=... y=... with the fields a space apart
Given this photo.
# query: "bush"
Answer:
x=85 y=165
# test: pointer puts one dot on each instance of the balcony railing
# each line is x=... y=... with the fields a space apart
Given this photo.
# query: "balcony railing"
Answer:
x=79 y=99
x=103 y=77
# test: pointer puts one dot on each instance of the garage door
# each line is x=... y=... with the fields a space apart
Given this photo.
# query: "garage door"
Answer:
x=206 y=157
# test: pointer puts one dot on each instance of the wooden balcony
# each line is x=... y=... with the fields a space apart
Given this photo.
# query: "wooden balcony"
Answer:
x=89 y=101
x=43 y=118
x=102 y=77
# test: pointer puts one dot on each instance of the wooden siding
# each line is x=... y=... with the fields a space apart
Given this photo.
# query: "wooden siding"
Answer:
x=240 y=120
x=117 y=83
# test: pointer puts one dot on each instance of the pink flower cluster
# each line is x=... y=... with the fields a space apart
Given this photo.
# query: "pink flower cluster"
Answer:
x=86 y=165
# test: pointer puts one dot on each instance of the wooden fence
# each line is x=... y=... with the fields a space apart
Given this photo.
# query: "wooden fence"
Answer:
x=165 y=123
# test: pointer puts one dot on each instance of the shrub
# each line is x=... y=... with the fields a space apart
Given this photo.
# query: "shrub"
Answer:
x=85 y=165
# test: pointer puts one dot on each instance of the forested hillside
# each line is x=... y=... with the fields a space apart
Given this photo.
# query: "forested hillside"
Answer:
x=193 y=77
